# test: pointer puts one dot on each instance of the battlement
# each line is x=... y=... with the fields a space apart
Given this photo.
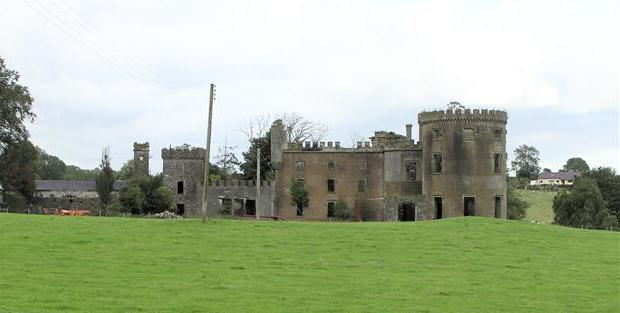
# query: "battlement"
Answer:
x=140 y=146
x=238 y=183
x=460 y=115
x=183 y=153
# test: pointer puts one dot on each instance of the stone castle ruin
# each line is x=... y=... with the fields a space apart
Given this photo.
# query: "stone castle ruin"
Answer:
x=457 y=168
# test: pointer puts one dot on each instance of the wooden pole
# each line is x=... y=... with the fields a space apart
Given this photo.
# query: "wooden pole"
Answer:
x=205 y=182
x=257 y=180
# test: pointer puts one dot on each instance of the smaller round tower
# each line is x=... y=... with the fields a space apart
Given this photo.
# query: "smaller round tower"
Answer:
x=464 y=162
x=140 y=159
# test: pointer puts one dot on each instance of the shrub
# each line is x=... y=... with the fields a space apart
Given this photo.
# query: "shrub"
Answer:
x=583 y=206
x=342 y=210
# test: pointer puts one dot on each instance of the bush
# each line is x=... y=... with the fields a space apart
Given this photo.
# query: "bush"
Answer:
x=515 y=206
x=113 y=209
x=342 y=210
x=131 y=199
x=583 y=206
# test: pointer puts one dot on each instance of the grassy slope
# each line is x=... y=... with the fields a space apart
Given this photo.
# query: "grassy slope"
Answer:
x=81 y=264
x=540 y=202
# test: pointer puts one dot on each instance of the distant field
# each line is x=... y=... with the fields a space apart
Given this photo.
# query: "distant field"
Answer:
x=540 y=202
x=91 y=264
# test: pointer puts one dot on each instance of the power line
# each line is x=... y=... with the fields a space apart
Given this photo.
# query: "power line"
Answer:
x=64 y=27
x=105 y=38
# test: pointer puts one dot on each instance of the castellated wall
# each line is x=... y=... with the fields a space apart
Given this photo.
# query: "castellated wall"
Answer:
x=186 y=167
x=464 y=158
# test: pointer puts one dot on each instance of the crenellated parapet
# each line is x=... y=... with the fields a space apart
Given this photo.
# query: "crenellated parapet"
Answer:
x=183 y=153
x=232 y=183
x=475 y=115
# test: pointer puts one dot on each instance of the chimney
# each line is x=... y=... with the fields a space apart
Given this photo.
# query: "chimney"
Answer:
x=408 y=126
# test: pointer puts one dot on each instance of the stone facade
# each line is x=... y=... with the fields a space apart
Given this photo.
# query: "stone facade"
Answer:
x=140 y=159
x=183 y=174
x=457 y=168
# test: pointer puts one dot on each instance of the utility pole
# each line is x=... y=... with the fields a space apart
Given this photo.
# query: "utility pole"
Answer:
x=205 y=182
x=257 y=180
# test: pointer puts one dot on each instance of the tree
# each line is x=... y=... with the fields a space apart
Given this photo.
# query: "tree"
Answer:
x=105 y=179
x=17 y=168
x=526 y=162
x=132 y=198
x=583 y=206
x=342 y=210
x=608 y=183
x=146 y=195
x=49 y=166
x=15 y=108
x=298 y=128
x=126 y=171
x=515 y=206
x=299 y=196
x=546 y=170
x=248 y=167
x=227 y=161
x=576 y=165
x=73 y=172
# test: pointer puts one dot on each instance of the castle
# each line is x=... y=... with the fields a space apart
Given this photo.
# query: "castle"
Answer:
x=457 y=168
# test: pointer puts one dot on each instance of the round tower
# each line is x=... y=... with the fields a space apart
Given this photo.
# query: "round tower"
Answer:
x=464 y=162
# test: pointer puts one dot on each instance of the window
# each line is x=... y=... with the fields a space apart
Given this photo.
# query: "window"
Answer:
x=497 y=163
x=330 y=164
x=180 y=187
x=437 y=163
x=438 y=208
x=468 y=133
x=437 y=133
x=497 y=133
x=411 y=170
x=331 y=185
x=363 y=165
x=301 y=180
x=361 y=185
x=331 y=208
x=300 y=165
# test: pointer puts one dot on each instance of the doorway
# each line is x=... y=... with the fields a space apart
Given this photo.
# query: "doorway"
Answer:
x=180 y=209
x=498 y=207
x=406 y=212
x=469 y=206
x=438 y=208
x=250 y=207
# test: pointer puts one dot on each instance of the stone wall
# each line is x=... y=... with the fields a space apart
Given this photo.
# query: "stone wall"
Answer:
x=466 y=142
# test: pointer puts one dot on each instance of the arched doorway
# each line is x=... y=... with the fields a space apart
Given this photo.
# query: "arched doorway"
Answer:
x=406 y=212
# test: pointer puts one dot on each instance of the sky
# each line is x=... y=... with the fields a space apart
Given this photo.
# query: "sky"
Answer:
x=111 y=73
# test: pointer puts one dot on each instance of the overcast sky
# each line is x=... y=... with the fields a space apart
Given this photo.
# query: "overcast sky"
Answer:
x=108 y=73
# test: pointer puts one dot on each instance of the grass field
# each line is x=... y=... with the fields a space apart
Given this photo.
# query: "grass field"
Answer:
x=90 y=264
x=540 y=202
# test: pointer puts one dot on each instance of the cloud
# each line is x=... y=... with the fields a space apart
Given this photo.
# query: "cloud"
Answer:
x=356 y=65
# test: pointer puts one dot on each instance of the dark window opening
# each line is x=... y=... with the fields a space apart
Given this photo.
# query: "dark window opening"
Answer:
x=498 y=207
x=180 y=187
x=411 y=170
x=496 y=163
x=437 y=163
x=438 y=208
x=497 y=133
x=250 y=207
x=300 y=165
x=437 y=133
x=469 y=206
x=331 y=185
x=227 y=206
x=406 y=212
x=180 y=208
x=361 y=185
x=331 y=208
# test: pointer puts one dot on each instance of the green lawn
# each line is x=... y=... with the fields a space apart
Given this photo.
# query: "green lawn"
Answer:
x=540 y=202
x=94 y=264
